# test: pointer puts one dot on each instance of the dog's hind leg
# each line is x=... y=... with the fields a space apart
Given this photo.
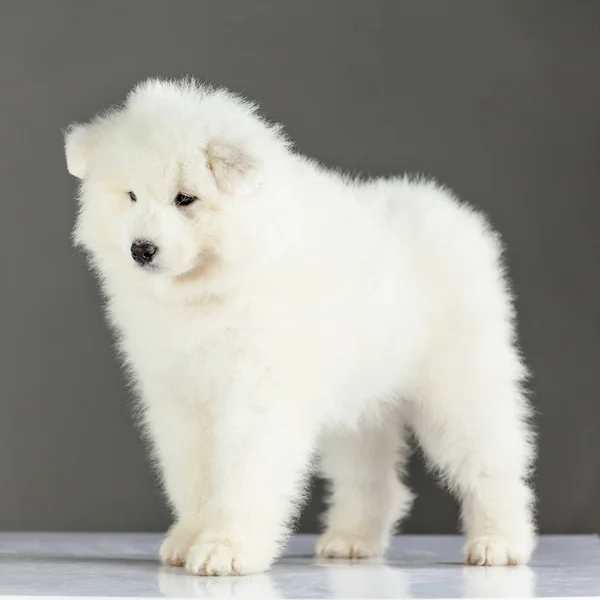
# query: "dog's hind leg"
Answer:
x=471 y=421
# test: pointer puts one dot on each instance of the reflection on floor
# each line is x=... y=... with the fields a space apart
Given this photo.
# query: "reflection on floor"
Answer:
x=124 y=565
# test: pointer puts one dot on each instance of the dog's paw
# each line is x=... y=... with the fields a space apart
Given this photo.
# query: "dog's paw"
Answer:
x=347 y=545
x=177 y=543
x=225 y=557
x=492 y=551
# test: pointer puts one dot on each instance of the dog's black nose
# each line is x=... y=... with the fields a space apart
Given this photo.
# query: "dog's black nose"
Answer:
x=143 y=252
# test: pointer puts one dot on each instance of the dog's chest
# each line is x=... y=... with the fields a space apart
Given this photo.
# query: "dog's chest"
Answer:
x=171 y=339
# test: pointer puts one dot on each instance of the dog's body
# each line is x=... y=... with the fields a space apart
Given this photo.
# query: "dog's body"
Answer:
x=287 y=309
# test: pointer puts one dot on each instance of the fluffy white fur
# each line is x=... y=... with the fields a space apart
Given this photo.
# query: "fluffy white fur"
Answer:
x=291 y=310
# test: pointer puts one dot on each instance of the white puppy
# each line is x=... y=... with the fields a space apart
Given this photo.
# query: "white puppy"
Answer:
x=267 y=308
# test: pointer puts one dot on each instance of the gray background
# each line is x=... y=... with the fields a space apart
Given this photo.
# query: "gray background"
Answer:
x=501 y=100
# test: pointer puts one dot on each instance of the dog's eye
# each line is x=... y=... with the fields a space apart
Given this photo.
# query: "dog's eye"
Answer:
x=184 y=199
x=132 y=196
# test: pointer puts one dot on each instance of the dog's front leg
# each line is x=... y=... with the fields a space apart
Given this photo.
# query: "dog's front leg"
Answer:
x=179 y=427
x=263 y=440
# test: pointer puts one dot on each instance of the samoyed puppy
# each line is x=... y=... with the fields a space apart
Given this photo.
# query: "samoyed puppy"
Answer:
x=277 y=316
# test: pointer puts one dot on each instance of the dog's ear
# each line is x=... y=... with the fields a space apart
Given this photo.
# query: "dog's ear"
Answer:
x=235 y=170
x=77 y=148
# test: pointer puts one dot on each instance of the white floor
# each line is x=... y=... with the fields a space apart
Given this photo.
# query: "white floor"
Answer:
x=124 y=565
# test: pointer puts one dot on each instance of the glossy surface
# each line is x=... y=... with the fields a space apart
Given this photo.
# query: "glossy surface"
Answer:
x=124 y=565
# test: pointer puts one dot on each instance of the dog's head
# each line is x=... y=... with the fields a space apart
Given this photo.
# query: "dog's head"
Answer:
x=166 y=176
